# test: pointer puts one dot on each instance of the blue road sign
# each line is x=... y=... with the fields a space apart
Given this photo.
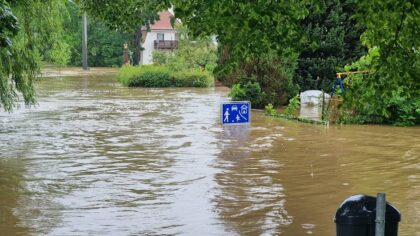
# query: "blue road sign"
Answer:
x=235 y=113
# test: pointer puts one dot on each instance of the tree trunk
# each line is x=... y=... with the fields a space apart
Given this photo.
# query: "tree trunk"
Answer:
x=137 y=45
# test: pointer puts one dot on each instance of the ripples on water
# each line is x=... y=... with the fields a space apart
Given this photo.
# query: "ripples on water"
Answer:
x=97 y=158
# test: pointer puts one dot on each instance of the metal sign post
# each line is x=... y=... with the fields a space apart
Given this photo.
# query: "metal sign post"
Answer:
x=235 y=113
x=380 y=214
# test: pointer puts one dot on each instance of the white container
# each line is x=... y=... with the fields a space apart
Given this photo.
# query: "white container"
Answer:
x=310 y=104
x=313 y=97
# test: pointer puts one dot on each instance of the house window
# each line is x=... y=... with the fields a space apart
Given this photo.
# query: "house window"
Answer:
x=160 y=37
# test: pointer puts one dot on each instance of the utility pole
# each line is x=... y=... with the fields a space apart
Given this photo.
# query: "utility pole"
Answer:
x=84 y=42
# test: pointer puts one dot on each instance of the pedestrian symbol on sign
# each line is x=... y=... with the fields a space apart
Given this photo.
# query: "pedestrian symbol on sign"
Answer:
x=226 y=115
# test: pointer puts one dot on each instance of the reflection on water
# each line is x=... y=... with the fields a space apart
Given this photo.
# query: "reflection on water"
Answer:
x=10 y=184
x=309 y=111
x=250 y=197
x=97 y=158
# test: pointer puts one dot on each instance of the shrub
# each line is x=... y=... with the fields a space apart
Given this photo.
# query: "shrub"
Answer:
x=193 y=78
x=163 y=76
x=269 y=110
x=127 y=73
x=237 y=93
x=144 y=76
x=210 y=67
x=250 y=91
x=293 y=106
x=202 y=82
x=151 y=79
x=160 y=57
x=192 y=53
x=268 y=79
x=177 y=63
x=386 y=96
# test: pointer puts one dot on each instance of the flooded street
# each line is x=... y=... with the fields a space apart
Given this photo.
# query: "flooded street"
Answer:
x=96 y=158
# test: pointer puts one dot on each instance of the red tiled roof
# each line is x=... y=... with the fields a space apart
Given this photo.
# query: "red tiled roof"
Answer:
x=164 y=23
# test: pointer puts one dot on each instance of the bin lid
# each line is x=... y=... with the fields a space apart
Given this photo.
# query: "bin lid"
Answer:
x=361 y=209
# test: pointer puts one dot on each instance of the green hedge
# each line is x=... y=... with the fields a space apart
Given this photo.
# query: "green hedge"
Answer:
x=162 y=76
x=193 y=78
x=151 y=79
x=127 y=74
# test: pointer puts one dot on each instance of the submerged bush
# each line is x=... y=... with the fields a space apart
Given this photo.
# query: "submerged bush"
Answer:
x=293 y=106
x=269 y=110
x=193 y=78
x=251 y=91
x=144 y=76
x=265 y=80
x=163 y=76
x=127 y=73
x=151 y=79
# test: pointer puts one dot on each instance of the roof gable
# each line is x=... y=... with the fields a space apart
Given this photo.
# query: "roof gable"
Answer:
x=164 y=22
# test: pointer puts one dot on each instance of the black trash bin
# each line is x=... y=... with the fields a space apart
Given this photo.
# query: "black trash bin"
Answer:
x=356 y=217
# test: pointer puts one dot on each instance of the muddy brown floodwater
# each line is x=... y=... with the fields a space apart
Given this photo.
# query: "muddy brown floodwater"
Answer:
x=96 y=158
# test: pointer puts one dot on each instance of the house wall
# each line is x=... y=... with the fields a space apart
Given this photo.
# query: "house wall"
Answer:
x=148 y=44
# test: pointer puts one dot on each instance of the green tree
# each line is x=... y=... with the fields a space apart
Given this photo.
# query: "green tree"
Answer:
x=258 y=42
x=124 y=15
x=128 y=16
x=247 y=28
x=332 y=40
x=105 y=45
x=266 y=80
x=30 y=31
x=391 y=92
x=191 y=52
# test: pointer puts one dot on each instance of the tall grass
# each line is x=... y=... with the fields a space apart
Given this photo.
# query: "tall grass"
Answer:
x=127 y=73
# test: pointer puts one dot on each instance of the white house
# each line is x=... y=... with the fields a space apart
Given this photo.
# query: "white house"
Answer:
x=162 y=36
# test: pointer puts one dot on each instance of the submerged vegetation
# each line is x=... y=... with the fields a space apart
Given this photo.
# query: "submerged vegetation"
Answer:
x=163 y=76
x=267 y=51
